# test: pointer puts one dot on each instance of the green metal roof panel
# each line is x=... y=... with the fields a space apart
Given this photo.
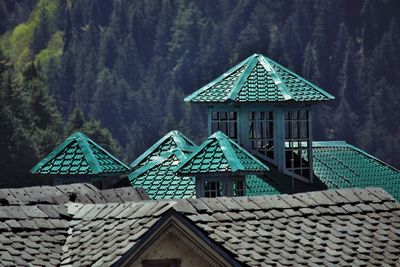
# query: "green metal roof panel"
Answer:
x=340 y=165
x=219 y=154
x=256 y=186
x=170 y=141
x=259 y=79
x=159 y=179
x=79 y=155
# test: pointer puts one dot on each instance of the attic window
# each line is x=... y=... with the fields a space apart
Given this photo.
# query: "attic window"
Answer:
x=213 y=189
x=238 y=188
x=225 y=122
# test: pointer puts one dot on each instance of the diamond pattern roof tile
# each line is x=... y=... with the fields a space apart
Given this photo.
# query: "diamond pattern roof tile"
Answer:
x=160 y=181
x=340 y=165
x=79 y=155
x=170 y=141
x=258 y=79
x=220 y=154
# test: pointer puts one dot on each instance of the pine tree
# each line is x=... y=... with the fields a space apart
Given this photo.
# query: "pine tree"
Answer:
x=41 y=34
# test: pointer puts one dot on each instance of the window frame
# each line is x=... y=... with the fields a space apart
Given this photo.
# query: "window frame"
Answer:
x=295 y=142
x=226 y=184
x=265 y=121
x=228 y=121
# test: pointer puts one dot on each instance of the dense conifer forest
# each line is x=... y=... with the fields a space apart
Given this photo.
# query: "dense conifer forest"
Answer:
x=119 y=70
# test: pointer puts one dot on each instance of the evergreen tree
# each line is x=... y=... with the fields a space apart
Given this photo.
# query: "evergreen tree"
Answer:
x=41 y=34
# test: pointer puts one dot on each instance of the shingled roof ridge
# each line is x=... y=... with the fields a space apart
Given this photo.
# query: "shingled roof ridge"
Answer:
x=60 y=194
x=299 y=201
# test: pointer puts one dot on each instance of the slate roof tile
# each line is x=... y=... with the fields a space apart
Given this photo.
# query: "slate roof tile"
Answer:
x=255 y=233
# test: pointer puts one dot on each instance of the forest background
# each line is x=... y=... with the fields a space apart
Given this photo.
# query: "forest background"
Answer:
x=119 y=70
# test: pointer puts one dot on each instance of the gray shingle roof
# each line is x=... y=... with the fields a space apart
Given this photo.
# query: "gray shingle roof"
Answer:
x=81 y=193
x=354 y=227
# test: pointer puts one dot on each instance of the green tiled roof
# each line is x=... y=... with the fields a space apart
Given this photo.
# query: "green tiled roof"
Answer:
x=256 y=186
x=219 y=154
x=340 y=165
x=79 y=155
x=258 y=79
x=170 y=141
x=159 y=179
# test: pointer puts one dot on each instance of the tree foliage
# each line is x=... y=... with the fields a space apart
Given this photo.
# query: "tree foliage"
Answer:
x=127 y=66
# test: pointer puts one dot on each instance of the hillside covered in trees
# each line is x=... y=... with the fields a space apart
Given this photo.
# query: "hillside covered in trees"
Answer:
x=119 y=70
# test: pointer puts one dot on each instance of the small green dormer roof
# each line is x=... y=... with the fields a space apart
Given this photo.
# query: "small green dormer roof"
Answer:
x=220 y=154
x=79 y=155
x=259 y=79
x=170 y=141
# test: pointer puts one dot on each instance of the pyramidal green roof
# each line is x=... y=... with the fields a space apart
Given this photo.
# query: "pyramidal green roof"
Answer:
x=219 y=154
x=159 y=179
x=258 y=79
x=79 y=155
x=172 y=140
x=341 y=165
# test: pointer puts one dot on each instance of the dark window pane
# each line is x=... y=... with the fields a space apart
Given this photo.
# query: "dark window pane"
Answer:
x=214 y=116
x=223 y=115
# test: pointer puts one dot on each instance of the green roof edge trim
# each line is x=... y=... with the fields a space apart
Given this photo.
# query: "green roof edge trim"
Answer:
x=151 y=149
x=54 y=153
x=195 y=152
x=226 y=146
x=159 y=160
x=239 y=83
x=322 y=91
x=249 y=154
x=220 y=78
x=276 y=78
x=104 y=150
x=83 y=142
x=91 y=160
x=345 y=144
x=232 y=158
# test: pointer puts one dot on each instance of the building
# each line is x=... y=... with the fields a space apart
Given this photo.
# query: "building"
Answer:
x=80 y=160
x=346 y=227
x=265 y=109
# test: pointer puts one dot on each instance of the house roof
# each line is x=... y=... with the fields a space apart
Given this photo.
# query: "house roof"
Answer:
x=172 y=140
x=160 y=180
x=61 y=194
x=158 y=176
x=220 y=154
x=79 y=155
x=341 y=165
x=353 y=227
x=258 y=79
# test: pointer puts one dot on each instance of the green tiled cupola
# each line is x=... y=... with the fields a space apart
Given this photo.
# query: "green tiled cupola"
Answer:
x=265 y=108
x=220 y=167
x=80 y=159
